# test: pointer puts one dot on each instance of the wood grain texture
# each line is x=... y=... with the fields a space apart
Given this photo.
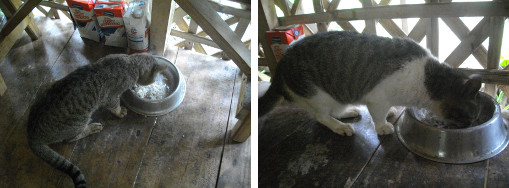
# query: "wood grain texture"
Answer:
x=296 y=150
x=394 y=166
x=26 y=69
x=236 y=164
x=185 y=146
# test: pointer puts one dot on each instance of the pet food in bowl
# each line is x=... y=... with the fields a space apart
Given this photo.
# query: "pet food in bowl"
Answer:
x=157 y=90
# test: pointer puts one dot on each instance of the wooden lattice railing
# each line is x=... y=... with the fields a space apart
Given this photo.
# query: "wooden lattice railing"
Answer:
x=326 y=11
x=189 y=30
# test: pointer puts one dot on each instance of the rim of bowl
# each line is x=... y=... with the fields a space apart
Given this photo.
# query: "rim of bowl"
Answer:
x=172 y=93
x=496 y=114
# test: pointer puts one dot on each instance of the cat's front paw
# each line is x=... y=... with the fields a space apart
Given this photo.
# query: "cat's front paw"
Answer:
x=122 y=112
x=384 y=129
x=344 y=130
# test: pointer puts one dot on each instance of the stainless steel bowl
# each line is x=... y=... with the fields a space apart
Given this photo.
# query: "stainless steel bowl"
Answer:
x=466 y=145
x=175 y=80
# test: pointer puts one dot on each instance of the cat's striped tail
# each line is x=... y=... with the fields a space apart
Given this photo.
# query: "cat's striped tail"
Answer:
x=272 y=97
x=59 y=162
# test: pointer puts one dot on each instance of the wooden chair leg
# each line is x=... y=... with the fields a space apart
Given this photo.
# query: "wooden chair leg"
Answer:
x=18 y=17
x=3 y=87
x=242 y=129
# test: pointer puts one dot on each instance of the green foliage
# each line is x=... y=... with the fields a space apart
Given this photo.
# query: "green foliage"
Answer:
x=504 y=63
x=499 y=97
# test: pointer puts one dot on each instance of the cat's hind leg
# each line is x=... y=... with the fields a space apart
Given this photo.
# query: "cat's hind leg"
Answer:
x=345 y=112
x=89 y=129
x=334 y=124
x=321 y=106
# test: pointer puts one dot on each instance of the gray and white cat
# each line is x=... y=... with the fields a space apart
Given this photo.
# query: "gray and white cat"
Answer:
x=63 y=113
x=327 y=72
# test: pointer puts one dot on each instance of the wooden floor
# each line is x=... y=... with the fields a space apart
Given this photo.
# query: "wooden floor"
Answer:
x=296 y=151
x=189 y=147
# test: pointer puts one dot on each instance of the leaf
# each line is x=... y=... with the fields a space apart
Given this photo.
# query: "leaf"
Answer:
x=499 y=97
x=504 y=63
x=506 y=107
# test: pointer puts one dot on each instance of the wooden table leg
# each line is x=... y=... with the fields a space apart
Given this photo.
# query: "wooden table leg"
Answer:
x=161 y=14
x=3 y=87
x=18 y=17
x=242 y=129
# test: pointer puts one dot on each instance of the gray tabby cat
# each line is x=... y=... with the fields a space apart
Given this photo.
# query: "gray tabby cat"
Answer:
x=63 y=113
x=326 y=72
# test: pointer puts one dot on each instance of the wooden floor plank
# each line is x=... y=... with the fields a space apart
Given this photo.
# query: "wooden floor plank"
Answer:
x=307 y=153
x=498 y=175
x=186 y=144
x=394 y=166
x=25 y=70
x=110 y=158
x=113 y=157
x=236 y=162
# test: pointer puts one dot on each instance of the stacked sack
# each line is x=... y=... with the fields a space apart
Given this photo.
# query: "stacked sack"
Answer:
x=121 y=26
x=137 y=22
x=84 y=16
x=109 y=16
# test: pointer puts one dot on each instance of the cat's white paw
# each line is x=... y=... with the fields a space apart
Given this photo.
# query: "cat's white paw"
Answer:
x=95 y=127
x=384 y=129
x=121 y=112
x=344 y=130
x=351 y=113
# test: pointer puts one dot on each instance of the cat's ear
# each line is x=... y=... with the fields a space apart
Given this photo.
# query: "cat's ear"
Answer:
x=472 y=85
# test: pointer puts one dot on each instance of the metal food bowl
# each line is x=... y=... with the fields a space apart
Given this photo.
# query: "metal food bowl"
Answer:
x=177 y=85
x=466 y=145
